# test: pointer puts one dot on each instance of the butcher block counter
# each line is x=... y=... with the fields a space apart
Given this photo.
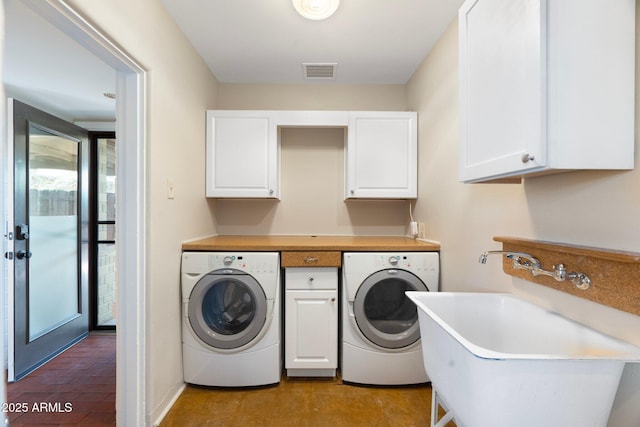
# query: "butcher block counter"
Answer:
x=311 y=243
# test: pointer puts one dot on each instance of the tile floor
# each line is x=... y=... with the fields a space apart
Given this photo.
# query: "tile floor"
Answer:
x=303 y=402
x=77 y=388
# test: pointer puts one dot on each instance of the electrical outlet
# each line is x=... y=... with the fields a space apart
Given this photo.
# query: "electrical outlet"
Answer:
x=421 y=230
x=413 y=227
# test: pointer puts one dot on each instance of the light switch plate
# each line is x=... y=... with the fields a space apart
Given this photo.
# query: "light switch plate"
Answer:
x=171 y=189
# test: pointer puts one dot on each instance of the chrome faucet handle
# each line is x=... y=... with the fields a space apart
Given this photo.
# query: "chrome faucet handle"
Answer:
x=523 y=261
x=581 y=281
x=560 y=272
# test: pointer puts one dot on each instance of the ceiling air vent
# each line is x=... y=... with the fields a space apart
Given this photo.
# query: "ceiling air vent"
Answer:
x=314 y=71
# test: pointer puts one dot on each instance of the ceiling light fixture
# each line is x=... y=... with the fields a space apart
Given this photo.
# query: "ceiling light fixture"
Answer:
x=316 y=9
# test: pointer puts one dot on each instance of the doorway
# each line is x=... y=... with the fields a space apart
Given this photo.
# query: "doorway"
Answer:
x=131 y=117
x=50 y=310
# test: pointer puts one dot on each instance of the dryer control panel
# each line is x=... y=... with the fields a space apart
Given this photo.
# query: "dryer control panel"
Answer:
x=357 y=266
x=405 y=261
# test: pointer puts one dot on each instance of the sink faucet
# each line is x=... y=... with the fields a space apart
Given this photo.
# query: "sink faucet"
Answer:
x=533 y=262
x=523 y=261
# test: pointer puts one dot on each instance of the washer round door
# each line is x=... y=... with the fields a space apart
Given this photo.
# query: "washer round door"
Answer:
x=382 y=311
x=227 y=309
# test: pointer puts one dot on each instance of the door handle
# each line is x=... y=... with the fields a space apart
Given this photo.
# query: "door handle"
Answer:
x=21 y=254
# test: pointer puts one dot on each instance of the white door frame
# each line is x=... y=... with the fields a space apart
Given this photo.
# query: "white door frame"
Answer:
x=131 y=110
x=4 y=279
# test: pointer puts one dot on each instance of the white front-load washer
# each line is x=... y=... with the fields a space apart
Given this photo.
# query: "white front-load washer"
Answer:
x=380 y=332
x=231 y=318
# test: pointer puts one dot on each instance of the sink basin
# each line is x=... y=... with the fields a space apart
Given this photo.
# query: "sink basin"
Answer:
x=498 y=360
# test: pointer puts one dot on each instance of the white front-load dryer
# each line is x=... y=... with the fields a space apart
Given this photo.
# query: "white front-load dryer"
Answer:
x=231 y=318
x=380 y=331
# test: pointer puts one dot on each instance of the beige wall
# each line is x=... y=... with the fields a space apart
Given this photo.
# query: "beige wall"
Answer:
x=312 y=166
x=311 y=97
x=588 y=208
x=180 y=89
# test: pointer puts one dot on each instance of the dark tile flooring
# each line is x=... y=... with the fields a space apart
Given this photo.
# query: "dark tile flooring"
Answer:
x=77 y=388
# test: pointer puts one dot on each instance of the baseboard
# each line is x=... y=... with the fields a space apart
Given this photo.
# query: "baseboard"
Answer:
x=169 y=405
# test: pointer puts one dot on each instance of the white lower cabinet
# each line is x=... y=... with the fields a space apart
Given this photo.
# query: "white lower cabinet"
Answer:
x=311 y=321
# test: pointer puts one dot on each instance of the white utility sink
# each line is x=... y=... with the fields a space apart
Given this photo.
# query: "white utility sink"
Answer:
x=497 y=360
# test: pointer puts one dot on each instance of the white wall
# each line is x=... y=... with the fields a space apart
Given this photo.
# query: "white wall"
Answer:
x=180 y=90
x=598 y=209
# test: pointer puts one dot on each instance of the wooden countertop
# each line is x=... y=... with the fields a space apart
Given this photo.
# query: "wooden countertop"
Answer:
x=310 y=243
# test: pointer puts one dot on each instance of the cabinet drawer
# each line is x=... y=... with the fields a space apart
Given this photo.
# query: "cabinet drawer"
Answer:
x=311 y=259
x=308 y=278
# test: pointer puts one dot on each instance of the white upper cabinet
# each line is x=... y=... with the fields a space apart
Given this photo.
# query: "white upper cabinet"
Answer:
x=243 y=152
x=545 y=87
x=242 y=157
x=382 y=155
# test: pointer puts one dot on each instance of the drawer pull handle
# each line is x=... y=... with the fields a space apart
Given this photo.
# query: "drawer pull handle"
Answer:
x=311 y=260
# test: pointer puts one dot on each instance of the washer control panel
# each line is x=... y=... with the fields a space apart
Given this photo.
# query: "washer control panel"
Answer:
x=248 y=263
x=392 y=260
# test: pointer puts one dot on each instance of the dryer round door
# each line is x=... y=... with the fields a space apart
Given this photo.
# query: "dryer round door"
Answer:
x=382 y=311
x=227 y=309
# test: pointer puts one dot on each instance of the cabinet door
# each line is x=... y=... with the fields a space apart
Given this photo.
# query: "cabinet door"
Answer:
x=382 y=155
x=502 y=87
x=242 y=154
x=311 y=329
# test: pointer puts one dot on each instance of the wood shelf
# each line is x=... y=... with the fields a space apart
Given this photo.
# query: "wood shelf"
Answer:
x=615 y=275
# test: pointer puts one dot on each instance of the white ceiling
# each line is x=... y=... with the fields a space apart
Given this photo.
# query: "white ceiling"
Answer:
x=266 y=41
x=242 y=41
x=45 y=68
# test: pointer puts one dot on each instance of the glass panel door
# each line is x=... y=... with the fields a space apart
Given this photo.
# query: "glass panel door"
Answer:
x=49 y=295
